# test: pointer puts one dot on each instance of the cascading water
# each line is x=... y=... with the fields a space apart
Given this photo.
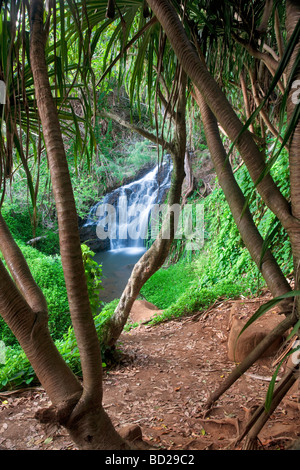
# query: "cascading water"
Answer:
x=122 y=218
x=123 y=215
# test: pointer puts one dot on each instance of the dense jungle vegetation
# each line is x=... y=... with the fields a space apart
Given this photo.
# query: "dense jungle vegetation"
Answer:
x=188 y=282
x=123 y=92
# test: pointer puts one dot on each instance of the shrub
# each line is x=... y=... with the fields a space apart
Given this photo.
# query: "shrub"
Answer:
x=17 y=370
x=167 y=284
x=196 y=299
x=48 y=274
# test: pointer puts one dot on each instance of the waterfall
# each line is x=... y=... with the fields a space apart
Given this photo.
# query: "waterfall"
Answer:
x=123 y=215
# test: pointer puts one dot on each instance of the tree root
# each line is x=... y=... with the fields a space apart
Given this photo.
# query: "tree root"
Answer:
x=58 y=414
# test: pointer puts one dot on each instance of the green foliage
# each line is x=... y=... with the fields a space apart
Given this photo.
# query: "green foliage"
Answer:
x=164 y=287
x=49 y=243
x=140 y=153
x=197 y=298
x=48 y=274
x=224 y=266
x=186 y=287
x=18 y=219
x=93 y=273
x=17 y=371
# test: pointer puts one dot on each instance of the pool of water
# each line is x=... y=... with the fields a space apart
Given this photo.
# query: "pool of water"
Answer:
x=117 y=266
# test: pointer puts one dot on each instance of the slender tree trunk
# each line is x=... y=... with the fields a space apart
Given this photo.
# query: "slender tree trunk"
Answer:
x=85 y=418
x=263 y=113
x=246 y=99
x=70 y=247
x=154 y=258
x=139 y=130
x=23 y=308
x=189 y=177
x=221 y=108
x=278 y=33
x=292 y=18
x=270 y=270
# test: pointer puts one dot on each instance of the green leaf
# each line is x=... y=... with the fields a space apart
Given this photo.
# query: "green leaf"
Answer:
x=266 y=307
x=294 y=330
x=48 y=440
x=270 y=391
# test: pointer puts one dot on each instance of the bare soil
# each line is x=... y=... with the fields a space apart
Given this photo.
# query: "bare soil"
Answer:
x=163 y=379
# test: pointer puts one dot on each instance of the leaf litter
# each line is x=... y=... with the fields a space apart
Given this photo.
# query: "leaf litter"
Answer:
x=161 y=382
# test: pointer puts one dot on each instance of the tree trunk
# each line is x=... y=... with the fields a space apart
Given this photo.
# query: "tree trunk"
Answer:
x=154 y=258
x=270 y=270
x=262 y=112
x=221 y=108
x=189 y=177
x=81 y=411
x=246 y=100
x=292 y=18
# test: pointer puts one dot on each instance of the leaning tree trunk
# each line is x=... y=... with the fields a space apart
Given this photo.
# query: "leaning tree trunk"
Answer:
x=154 y=258
x=222 y=109
x=82 y=415
x=189 y=177
x=251 y=237
x=292 y=18
x=23 y=308
x=270 y=270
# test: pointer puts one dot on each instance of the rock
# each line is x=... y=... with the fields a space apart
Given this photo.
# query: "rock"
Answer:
x=142 y=310
x=131 y=433
x=239 y=348
x=89 y=236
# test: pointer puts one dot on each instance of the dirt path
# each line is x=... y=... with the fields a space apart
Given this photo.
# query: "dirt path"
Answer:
x=161 y=383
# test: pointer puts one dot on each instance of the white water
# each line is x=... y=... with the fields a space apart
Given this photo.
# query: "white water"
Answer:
x=125 y=213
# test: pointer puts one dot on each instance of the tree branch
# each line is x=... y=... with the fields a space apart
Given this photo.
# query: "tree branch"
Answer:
x=266 y=16
x=263 y=113
x=222 y=109
x=246 y=100
x=139 y=130
x=269 y=62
